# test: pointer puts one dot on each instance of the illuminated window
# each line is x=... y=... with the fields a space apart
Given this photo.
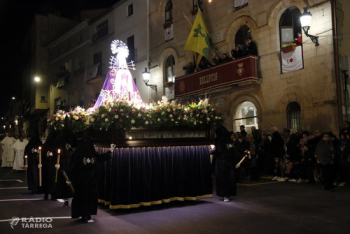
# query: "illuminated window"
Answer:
x=170 y=69
x=246 y=114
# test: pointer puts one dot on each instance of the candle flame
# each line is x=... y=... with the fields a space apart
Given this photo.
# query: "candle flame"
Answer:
x=39 y=147
x=59 y=151
x=26 y=156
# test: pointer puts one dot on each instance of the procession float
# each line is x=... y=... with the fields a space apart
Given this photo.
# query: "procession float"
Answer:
x=163 y=148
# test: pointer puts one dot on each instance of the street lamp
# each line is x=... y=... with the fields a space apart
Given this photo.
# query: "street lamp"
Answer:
x=146 y=75
x=305 y=20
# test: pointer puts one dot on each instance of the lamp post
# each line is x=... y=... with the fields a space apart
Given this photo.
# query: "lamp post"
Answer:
x=146 y=76
x=305 y=20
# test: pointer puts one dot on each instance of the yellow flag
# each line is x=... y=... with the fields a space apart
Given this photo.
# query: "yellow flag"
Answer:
x=198 y=40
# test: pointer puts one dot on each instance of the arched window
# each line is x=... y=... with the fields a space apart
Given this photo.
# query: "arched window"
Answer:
x=294 y=116
x=247 y=115
x=170 y=69
x=291 y=40
x=289 y=25
x=241 y=36
x=168 y=12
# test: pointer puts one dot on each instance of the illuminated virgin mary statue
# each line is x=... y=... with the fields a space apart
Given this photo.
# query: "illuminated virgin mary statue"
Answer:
x=119 y=83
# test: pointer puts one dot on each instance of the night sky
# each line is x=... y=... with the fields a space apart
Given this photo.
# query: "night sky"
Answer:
x=15 y=18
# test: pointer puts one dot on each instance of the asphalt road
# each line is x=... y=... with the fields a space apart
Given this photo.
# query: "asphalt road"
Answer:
x=261 y=207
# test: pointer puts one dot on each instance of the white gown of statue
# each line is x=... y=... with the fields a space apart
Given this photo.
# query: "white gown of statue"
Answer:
x=19 y=147
x=8 y=153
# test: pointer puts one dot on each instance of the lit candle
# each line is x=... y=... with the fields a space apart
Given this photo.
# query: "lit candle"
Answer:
x=40 y=173
x=58 y=163
x=58 y=156
x=26 y=157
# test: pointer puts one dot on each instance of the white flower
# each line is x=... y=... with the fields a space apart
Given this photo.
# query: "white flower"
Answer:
x=170 y=116
x=76 y=117
x=194 y=123
x=139 y=115
x=106 y=119
x=208 y=119
x=127 y=116
x=132 y=121
x=158 y=119
x=146 y=122
x=102 y=115
x=92 y=119
x=116 y=116
x=57 y=118
x=168 y=110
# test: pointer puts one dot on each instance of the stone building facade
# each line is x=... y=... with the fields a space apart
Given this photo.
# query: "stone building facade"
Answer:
x=309 y=98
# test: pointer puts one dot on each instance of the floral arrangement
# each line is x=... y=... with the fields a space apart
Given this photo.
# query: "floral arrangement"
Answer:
x=78 y=119
x=124 y=114
x=289 y=45
x=57 y=120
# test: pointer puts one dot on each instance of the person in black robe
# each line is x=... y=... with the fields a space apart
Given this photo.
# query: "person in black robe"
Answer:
x=83 y=177
x=241 y=148
x=50 y=159
x=224 y=168
x=66 y=142
x=32 y=152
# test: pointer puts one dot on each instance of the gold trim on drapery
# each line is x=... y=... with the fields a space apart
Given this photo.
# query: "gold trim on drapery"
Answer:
x=154 y=202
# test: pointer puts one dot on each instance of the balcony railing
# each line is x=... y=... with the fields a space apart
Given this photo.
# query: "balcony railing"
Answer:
x=237 y=72
x=93 y=72
x=101 y=33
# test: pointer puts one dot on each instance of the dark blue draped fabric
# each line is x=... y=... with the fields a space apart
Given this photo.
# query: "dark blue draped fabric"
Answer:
x=152 y=175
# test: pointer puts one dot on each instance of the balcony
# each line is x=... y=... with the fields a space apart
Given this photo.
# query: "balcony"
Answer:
x=94 y=73
x=238 y=72
x=100 y=34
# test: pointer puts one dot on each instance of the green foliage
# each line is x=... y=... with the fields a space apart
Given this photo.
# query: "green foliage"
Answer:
x=123 y=114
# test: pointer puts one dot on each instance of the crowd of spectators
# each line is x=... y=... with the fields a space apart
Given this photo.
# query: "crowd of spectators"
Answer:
x=239 y=51
x=294 y=155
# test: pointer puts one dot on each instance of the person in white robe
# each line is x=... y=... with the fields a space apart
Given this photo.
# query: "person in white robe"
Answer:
x=19 y=147
x=8 y=153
